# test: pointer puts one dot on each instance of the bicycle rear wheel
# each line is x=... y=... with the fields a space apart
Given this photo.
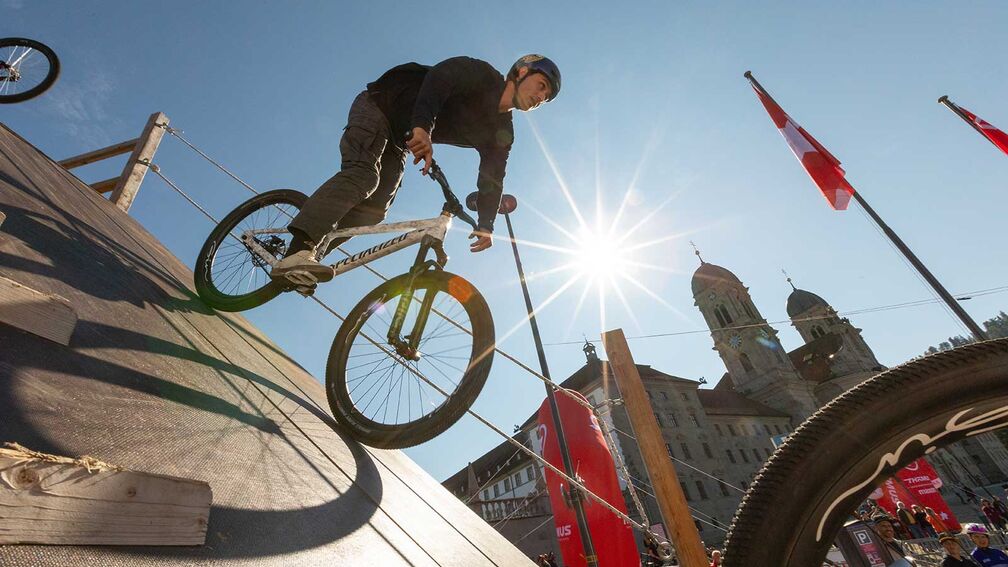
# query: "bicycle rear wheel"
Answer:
x=832 y=462
x=27 y=69
x=380 y=399
x=228 y=276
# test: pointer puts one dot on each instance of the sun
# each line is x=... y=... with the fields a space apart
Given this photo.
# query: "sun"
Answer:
x=599 y=258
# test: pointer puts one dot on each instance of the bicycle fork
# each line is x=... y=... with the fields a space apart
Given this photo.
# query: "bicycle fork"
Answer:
x=408 y=346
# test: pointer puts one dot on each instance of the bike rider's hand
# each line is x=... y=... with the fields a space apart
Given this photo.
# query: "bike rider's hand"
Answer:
x=483 y=241
x=420 y=144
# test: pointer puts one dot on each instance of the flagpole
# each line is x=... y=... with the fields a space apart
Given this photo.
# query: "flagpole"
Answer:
x=955 y=108
x=903 y=248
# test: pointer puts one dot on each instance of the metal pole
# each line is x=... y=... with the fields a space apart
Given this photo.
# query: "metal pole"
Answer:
x=938 y=287
x=586 y=540
x=958 y=111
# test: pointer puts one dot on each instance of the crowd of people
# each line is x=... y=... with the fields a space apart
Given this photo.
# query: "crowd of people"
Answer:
x=982 y=555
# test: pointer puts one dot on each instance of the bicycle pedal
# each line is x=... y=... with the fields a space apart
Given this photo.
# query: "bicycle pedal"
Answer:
x=301 y=278
x=305 y=290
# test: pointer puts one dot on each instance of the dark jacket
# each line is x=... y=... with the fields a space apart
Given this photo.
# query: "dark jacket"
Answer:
x=457 y=101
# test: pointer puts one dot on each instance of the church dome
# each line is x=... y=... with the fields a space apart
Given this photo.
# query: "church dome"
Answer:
x=708 y=275
x=801 y=301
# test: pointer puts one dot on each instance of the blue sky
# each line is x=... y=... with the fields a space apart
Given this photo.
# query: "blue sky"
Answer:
x=653 y=103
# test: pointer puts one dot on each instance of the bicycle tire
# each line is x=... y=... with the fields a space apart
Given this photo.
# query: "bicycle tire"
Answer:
x=47 y=81
x=807 y=490
x=425 y=428
x=203 y=272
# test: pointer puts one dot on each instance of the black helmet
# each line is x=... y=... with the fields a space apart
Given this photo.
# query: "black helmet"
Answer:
x=542 y=65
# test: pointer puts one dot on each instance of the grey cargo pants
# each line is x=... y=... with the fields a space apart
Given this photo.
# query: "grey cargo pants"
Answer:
x=370 y=173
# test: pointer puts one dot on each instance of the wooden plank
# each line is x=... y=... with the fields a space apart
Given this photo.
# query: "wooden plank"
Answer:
x=136 y=165
x=105 y=186
x=48 y=499
x=43 y=314
x=671 y=500
x=98 y=155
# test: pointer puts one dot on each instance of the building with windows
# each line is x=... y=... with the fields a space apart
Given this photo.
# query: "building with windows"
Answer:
x=718 y=438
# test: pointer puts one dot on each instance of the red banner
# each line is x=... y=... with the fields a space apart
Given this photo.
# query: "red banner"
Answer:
x=594 y=467
x=917 y=483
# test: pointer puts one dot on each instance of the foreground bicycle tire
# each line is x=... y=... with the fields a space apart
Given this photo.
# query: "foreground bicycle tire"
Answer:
x=49 y=75
x=211 y=286
x=381 y=434
x=835 y=459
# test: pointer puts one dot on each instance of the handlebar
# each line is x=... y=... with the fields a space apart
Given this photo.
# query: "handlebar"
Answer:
x=452 y=204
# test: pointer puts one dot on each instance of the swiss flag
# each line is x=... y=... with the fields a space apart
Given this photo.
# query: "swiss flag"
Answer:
x=822 y=166
x=997 y=137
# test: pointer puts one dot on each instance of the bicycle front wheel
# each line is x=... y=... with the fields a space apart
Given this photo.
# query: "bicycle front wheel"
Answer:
x=228 y=276
x=27 y=69
x=835 y=459
x=386 y=401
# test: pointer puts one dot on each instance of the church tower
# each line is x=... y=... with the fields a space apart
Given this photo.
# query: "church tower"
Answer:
x=814 y=318
x=757 y=363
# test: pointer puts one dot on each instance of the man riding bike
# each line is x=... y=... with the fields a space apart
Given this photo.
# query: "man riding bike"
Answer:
x=460 y=101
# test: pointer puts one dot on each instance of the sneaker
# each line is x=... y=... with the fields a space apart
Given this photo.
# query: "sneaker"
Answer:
x=301 y=269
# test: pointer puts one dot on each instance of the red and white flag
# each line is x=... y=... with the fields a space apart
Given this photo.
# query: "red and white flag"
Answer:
x=997 y=137
x=822 y=166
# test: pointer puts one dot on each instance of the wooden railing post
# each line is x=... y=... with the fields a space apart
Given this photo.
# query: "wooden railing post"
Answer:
x=136 y=165
x=671 y=500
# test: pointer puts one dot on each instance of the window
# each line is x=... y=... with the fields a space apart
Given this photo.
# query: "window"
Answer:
x=496 y=490
x=746 y=363
x=507 y=485
x=731 y=456
x=684 y=491
x=707 y=451
x=693 y=420
x=724 y=489
x=530 y=473
x=685 y=396
x=685 y=450
x=517 y=479
x=817 y=331
x=486 y=494
x=731 y=429
x=767 y=427
x=745 y=307
x=722 y=315
x=664 y=395
x=777 y=429
x=673 y=420
x=744 y=458
x=670 y=453
x=701 y=489
x=756 y=455
x=660 y=422
x=718 y=429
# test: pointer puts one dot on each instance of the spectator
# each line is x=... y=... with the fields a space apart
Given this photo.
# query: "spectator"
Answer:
x=715 y=558
x=921 y=517
x=1000 y=507
x=984 y=554
x=546 y=560
x=906 y=518
x=993 y=515
x=955 y=557
x=884 y=528
x=936 y=522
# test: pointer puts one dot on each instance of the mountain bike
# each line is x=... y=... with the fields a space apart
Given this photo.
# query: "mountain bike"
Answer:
x=27 y=69
x=808 y=489
x=410 y=358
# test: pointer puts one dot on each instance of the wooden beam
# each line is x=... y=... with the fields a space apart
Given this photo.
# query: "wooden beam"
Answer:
x=49 y=499
x=105 y=186
x=46 y=315
x=136 y=165
x=98 y=155
x=671 y=500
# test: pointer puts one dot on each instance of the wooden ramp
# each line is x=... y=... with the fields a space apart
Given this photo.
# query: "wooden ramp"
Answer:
x=153 y=381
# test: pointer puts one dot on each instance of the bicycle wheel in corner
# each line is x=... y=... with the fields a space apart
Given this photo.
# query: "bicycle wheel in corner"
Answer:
x=835 y=459
x=27 y=69
x=228 y=276
x=389 y=402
